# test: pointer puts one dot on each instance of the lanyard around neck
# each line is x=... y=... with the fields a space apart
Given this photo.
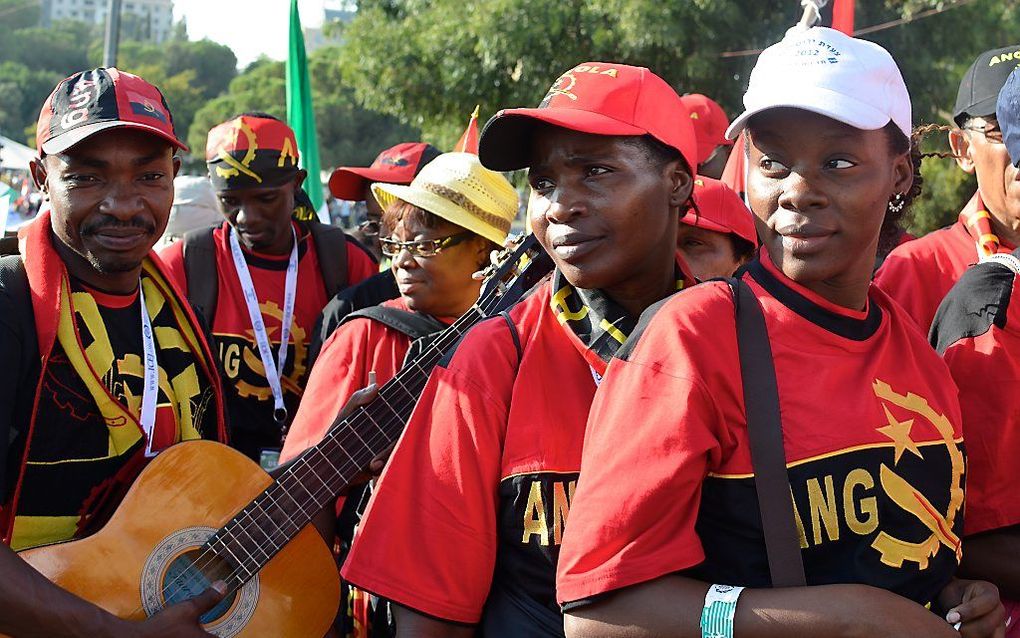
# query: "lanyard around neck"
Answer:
x=274 y=370
x=150 y=379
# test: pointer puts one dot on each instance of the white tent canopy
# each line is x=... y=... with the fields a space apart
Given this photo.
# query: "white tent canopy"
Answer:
x=14 y=156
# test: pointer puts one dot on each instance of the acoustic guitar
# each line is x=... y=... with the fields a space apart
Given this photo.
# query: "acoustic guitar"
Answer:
x=165 y=544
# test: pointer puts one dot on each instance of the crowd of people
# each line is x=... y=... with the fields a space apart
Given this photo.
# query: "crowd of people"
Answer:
x=751 y=431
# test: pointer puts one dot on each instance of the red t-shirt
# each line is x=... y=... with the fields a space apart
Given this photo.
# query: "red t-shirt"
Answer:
x=249 y=398
x=869 y=415
x=919 y=273
x=351 y=352
x=977 y=330
x=478 y=488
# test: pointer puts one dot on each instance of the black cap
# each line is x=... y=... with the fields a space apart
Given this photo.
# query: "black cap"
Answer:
x=983 y=81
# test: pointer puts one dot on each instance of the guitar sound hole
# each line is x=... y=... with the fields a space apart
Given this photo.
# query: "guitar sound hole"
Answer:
x=185 y=580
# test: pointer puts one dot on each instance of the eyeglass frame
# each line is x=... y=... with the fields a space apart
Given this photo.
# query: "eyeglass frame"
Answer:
x=370 y=223
x=414 y=246
x=994 y=129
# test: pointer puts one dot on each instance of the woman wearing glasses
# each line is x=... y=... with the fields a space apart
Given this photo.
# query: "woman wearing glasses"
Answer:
x=444 y=226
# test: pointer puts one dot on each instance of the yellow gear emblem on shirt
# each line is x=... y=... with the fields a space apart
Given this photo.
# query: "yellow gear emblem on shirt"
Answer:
x=254 y=362
x=896 y=551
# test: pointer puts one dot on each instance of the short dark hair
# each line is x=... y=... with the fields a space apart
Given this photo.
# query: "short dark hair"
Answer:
x=743 y=250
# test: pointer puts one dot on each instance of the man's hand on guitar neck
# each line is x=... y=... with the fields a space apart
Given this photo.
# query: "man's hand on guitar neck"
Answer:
x=33 y=607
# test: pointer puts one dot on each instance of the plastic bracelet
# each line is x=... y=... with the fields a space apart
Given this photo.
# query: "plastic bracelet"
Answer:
x=717 y=615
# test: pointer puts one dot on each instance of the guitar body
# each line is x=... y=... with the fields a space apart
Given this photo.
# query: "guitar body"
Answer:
x=187 y=493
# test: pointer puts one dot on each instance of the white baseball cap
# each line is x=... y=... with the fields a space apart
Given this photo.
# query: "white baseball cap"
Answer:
x=827 y=72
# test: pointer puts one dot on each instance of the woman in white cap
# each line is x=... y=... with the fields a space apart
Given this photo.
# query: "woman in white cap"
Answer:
x=445 y=224
x=666 y=526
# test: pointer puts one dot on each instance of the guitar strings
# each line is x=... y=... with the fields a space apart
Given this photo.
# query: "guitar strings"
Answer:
x=484 y=307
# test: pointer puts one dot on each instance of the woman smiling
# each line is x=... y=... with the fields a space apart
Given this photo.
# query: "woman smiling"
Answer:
x=666 y=504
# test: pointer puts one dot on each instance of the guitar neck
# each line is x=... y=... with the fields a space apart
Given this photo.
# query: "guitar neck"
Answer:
x=318 y=476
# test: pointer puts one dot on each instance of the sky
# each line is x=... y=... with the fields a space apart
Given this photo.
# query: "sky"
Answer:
x=249 y=27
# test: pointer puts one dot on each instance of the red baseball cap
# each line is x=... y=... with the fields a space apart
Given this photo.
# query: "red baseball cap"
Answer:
x=710 y=122
x=720 y=209
x=97 y=100
x=602 y=98
x=396 y=165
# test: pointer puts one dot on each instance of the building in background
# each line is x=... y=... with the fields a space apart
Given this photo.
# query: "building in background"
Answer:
x=334 y=11
x=146 y=20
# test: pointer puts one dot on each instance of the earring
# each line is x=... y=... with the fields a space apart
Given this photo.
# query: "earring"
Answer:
x=897 y=203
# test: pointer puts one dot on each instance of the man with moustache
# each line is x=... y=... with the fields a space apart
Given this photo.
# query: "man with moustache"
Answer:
x=919 y=273
x=90 y=325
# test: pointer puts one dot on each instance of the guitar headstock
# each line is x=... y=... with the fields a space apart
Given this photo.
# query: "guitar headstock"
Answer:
x=514 y=271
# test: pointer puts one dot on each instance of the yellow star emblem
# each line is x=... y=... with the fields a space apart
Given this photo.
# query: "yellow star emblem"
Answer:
x=899 y=433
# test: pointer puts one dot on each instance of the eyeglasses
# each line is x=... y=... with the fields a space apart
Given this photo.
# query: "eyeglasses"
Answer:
x=422 y=247
x=993 y=134
x=369 y=227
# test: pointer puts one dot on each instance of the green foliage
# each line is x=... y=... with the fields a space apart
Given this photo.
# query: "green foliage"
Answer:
x=348 y=133
x=18 y=14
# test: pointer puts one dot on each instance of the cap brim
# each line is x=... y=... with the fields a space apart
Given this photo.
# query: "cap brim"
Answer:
x=66 y=140
x=505 y=143
x=386 y=194
x=348 y=182
x=984 y=108
x=699 y=221
x=841 y=108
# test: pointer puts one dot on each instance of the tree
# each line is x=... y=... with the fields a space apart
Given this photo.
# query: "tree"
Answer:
x=429 y=61
x=348 y=133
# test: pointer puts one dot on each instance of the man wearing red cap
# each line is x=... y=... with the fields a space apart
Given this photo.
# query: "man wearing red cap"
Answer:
x=89 y=324
x=710 y=124
x=716 y=235
x=396 y=165
x=465 y=525
x=261 y=279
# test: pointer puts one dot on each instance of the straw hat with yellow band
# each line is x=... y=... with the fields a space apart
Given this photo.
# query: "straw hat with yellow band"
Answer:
x=457 y=188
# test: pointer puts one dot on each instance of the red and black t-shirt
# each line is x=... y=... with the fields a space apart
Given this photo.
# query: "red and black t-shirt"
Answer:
x=248 y=395
x=871 y=426
x=919 y=273
x=71 y=445
x=977 y=331
x=476 y=494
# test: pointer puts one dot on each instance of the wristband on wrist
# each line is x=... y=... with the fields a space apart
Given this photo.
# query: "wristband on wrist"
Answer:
x=720 y=607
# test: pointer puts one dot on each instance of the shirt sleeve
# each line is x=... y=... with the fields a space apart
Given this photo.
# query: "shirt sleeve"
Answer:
x=428 y=539
x=360 y=265
x=654 y=432
x=172 y=257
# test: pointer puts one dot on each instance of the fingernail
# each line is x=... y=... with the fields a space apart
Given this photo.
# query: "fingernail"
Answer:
x=220 y=587
x=953 y=617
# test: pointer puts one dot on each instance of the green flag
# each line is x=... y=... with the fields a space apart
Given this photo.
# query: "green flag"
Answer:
x=300 y=115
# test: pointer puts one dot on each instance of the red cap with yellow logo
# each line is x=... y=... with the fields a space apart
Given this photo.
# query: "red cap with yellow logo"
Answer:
x=710 y=123
x=602 y=98
x=251 y=151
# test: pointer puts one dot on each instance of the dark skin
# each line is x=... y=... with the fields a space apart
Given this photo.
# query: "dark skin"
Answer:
x=716 y=163
x=111 y=197
x=111 y=200
x=986 y=157
x=262 y=216
x=819 y=190
x=708 y=253
x=589 y=193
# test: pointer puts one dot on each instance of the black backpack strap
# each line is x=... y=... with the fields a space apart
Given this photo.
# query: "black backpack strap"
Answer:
x=14 y=283
x=514 y=334
x=414 y=325
x=331 y=248
x=199 y=249
x=765 y=435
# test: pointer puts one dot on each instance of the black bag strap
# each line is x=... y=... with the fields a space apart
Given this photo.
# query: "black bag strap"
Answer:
x=199 y=249
x=331 y=248
x=412 y=324
x=765 y=434
x=14 y=282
